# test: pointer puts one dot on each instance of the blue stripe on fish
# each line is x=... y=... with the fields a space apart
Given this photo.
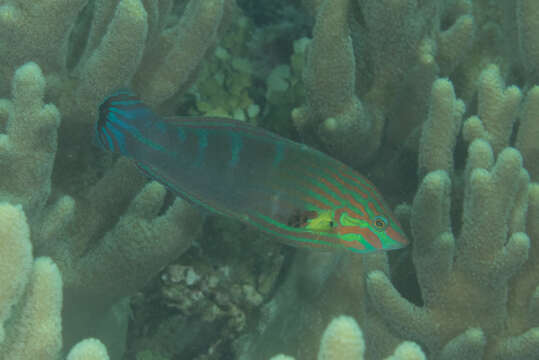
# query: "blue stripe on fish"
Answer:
x=126 y=114
x=202 y=136
x=236 y=145
x=279 y=154
x=131 y=129
x=181 y=135
x=109 y=140
x=97 y=138
x=118 y=136
x=161 y=126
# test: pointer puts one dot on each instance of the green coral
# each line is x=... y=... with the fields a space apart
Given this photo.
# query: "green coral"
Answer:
x=285 y=91
x=222 y=88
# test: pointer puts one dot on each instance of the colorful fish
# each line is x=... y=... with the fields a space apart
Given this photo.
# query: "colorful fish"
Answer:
x=289 y=190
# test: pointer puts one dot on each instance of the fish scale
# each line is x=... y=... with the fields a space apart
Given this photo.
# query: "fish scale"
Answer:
x=295 y=193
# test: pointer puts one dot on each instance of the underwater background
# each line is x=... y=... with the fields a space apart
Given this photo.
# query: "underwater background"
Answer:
x=434 y=101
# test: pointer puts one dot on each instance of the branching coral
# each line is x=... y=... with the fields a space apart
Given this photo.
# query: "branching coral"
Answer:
x=102 y=256
x=126 y=40
x=469 y=280
x=370 y=90
x=134 y=249
x=477 y=272
x=374 y=65
x=343 y=340
x=31 y=298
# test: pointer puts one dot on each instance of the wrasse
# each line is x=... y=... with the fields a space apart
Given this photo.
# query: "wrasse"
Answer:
x=289 y=190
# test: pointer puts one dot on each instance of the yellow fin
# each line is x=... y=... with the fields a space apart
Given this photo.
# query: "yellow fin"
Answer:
x=322 y=222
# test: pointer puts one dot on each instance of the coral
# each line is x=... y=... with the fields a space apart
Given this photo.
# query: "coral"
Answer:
x=497 y=111
x=528 y=26
x=374 y=65
x=226 y=77
x=107 y=240
x=125 y=41
x=132 y=251
x=28 y=147
x=31 y=298
x=316 y=290
x=179 y=50
x=469 y=282
x=444 y=118
x=476 y=265
x=435 y=100
x=343 y=340
x=528 y=133
x=210 y=292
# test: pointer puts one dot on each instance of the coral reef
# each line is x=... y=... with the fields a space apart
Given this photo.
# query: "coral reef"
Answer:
x=473 y=288
x=107 y=231
x=435 y=101
x=31 y=298
x=343 y=340
x=468 y=276
x=374 y=65
x=211 y=292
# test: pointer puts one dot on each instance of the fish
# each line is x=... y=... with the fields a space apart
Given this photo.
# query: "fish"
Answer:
x=292 y=192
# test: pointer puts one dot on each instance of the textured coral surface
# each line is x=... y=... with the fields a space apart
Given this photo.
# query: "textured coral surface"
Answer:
x=434 y=101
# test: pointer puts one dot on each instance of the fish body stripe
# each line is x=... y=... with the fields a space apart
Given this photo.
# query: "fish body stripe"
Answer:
x=118 y=137
x=235 y=148
x=313 y=239
x=202 y=137
x=279 y=154
x=109 y=140
x=181 y=134
x=134 y=132
x=359 y=188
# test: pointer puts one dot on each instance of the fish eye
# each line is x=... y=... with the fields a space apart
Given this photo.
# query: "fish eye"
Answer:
x=380 y=223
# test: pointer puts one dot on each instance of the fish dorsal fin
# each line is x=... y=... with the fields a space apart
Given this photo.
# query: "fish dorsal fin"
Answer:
x=238 y=126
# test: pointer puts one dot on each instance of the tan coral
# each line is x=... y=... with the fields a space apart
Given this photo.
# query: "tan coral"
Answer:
x=30 y=321
x=467 y=279
x=343 y=340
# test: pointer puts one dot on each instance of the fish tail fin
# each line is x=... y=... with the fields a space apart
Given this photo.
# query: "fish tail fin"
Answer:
x=119 y=114
x=122 y=102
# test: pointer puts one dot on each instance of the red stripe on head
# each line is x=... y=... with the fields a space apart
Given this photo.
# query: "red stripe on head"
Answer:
x=373 y=239
x=352 y=188
x=360 y=206
x=373 y=192
x=373 y=209
x=332 y=187
x=316 y=203
x=396 y=236
x=324 y=194
x=366 y=233
x=353 y=245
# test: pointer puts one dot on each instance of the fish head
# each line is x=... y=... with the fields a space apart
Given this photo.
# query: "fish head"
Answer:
x=369 y=231
x=360 y=233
